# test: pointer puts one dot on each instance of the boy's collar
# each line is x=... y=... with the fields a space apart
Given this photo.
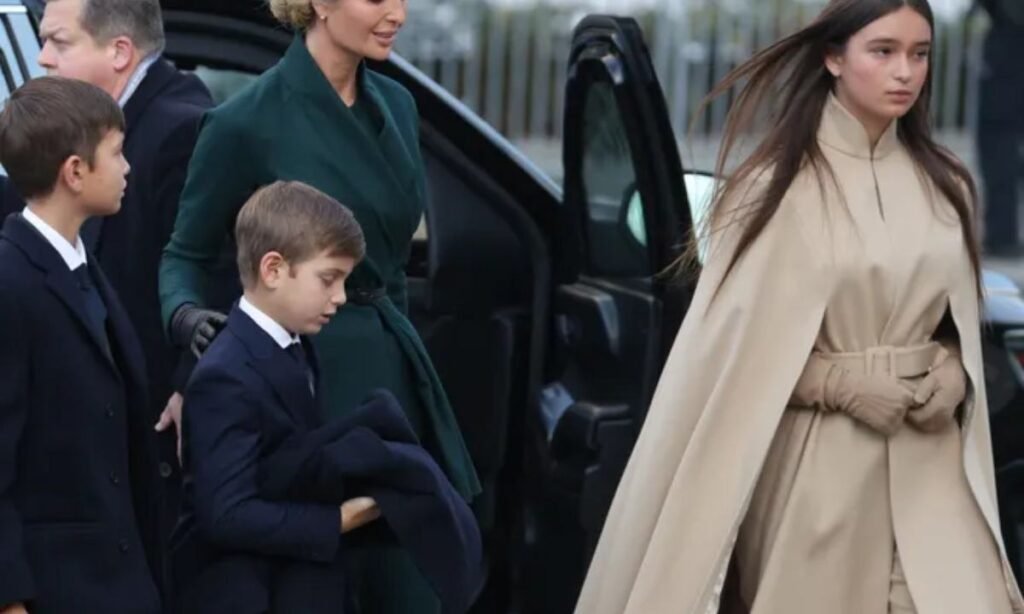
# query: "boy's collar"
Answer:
x=73 y=255
x=267 y=324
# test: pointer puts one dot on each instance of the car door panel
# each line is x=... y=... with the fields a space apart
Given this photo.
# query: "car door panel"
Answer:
x=625 y=217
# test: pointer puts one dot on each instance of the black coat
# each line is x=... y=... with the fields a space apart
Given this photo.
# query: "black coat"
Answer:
x=1001 y=99
x=265 y=477
x=162 y=124
x=79 y=526
x=162 y=119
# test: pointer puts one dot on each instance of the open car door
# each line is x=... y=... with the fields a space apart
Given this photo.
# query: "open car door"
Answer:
x=626 y=218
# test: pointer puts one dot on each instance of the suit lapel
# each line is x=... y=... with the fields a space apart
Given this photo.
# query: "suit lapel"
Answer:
x=386 y=166
x=63 y=284
x=160 y=73
x=122 y=335
x=58 y=277
x=275 y=366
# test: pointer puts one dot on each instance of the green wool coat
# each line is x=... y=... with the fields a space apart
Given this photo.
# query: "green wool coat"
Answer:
x=291 y=124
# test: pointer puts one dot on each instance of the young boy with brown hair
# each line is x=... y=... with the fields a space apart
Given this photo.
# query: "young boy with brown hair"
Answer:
x=79 y=528
x=270 y=485
x=256 y=384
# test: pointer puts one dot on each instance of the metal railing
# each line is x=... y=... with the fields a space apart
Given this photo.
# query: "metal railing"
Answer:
x=506 y=58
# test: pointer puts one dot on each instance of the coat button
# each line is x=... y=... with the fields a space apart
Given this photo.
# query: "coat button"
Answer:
x=166 y=470
x=114 y=479
x=123 y=546
x=109 y=411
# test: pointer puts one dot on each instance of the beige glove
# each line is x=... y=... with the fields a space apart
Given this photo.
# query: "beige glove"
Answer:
x=939 y=395
x=879 y=401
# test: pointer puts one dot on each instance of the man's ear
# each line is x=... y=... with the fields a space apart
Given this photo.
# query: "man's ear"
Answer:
x=124 y=52
x=273 y=268
x=72 y=173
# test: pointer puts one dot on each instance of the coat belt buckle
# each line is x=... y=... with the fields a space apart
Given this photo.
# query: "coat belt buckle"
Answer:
x=887 y=355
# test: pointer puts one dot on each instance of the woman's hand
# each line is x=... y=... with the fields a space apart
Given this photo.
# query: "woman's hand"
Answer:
x=938 y=396
x=358 y=512
x=879 y=401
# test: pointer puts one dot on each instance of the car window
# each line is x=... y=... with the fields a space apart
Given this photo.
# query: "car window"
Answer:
x=223 y=83
x=616 y=231
x=26 y=42
x=19 y=51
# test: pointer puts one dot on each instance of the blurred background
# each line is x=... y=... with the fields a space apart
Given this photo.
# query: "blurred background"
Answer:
x=505 y=59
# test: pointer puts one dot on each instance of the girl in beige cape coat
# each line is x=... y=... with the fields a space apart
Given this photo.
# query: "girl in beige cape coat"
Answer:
x=815 y=511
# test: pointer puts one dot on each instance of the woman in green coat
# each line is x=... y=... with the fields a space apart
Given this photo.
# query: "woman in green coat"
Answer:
x=320 y=117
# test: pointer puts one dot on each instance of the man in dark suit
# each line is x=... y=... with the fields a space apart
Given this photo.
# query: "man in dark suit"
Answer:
x=79 y=515
x=117 y=45
x=1001 y=126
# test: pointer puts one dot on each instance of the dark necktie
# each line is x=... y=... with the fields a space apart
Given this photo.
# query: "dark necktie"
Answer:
x=297 y=352
x=94 y=306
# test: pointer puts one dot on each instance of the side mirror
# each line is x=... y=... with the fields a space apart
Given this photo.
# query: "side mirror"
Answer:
x=700 y=189
x=633 y=215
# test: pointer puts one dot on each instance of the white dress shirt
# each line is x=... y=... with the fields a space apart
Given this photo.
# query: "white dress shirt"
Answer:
x=136 y=79
x=73 y=255
x=270 y=326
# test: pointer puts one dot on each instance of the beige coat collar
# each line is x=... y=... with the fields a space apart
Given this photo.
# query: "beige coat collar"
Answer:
x=843 y=132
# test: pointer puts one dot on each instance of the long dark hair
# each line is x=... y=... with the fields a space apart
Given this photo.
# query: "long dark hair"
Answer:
x=792 y=74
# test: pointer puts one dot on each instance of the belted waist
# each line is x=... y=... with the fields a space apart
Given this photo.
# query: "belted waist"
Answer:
x=365 y=296
x=903 y=362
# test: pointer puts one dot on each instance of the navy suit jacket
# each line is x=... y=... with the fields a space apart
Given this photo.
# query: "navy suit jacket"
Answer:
x=79 y=527
x=260 y=529
x=162 y=124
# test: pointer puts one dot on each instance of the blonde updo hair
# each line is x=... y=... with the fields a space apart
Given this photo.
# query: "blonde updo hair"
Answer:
x=295 y=14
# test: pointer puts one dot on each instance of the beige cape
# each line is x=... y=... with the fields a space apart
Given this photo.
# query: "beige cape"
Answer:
x=833 y=498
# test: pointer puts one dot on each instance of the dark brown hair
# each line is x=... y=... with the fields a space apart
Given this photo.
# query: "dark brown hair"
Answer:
x=792 y=74
x=48 y=120
x=297 y=221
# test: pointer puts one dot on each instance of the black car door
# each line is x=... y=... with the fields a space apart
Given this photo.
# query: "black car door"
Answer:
x=626 y=217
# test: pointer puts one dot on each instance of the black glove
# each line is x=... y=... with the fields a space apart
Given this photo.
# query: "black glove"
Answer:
x=194 y=327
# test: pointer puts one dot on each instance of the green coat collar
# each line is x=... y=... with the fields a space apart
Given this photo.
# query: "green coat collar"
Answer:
x=302 y=74
x=395 y=158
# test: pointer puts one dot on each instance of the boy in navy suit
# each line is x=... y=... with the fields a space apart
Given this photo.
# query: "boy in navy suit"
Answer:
x=79 y=526
x=255 y=386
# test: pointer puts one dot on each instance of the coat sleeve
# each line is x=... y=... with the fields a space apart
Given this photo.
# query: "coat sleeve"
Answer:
x=222 y=430
x=221 y=175
x=15 y=574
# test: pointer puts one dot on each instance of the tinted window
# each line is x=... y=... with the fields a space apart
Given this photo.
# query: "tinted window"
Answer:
x=223 y=83
x=616 y=232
